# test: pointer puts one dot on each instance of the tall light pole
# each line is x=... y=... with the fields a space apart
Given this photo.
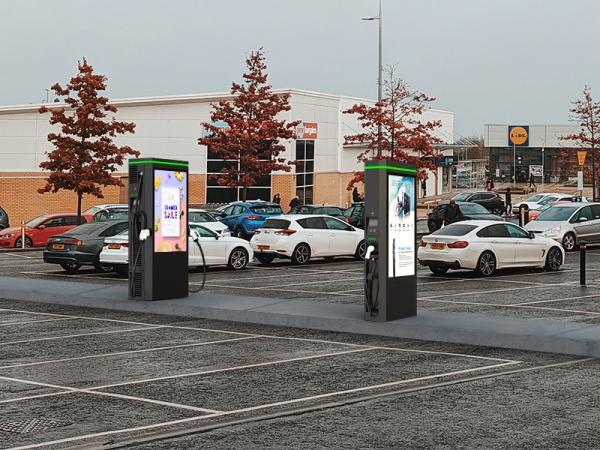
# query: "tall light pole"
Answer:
x=379 y=85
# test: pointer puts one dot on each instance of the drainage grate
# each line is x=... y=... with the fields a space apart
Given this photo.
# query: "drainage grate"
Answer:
x=31 y=425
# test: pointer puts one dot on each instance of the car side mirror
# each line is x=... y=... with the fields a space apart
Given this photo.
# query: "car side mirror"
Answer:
x=531 y=235
x=582 y=219
x=41 y=227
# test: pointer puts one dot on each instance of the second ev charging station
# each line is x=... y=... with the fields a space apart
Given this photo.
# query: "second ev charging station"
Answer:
x=390 y=236
x=158 y=227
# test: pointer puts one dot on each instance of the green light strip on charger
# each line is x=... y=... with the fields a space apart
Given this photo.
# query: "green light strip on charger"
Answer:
x=399 y=169
x=165 y=163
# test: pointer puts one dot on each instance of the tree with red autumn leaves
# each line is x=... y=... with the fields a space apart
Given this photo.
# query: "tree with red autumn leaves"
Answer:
x=393 y=131
x=252 y=135
x=85 y=155
x=586 y=113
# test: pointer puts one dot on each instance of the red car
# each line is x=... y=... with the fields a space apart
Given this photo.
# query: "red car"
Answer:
x=38 y=230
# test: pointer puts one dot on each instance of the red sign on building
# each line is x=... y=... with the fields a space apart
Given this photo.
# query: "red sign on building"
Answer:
x=307 y=130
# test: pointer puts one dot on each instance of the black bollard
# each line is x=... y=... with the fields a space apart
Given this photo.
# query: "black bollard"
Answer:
x=582 y=245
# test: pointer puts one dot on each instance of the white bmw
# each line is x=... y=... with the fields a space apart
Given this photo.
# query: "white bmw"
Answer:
x=301 y=237
x=485 y=246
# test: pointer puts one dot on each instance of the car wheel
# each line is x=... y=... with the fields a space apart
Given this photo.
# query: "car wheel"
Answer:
x=28 y=242
x=432 y=226
x=102 y=268
x=486 y=265
x=264 y=259
x=438 y=270
x=239 y=233
x=569 y=242
x=497 y=210
x=123 y=271
x=553 y=259
x=301 y=254
x=361 y=250
x=238 y=259
x=70 y=267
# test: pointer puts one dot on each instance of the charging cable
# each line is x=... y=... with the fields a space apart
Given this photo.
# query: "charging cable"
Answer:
x=196 y=239
x=371 y=281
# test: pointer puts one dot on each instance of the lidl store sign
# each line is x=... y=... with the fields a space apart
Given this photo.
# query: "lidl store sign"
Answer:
x=518 y=136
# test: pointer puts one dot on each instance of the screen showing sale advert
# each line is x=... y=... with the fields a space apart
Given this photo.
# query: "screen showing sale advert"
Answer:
x=170 y=193
x=401 y=226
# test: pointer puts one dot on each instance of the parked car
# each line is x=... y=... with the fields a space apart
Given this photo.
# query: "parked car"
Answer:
x=208 y=220
x=533 y=214
x=244 y=218
x=332 y=211
x=302 y=237
x=82 y=245
x=485 y=246
x=489 y=200
x=535 y=201
x=94 y=209
x=38 y=230
x=569 y=223
x=556 y=198
x=471 y=211
x=218 y=250
x=112 y=212
x=356 y=215
x=3 y=219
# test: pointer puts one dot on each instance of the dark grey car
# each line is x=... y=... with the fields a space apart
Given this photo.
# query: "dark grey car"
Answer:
x=471 y=211
x=82 y=245
x=3 y=219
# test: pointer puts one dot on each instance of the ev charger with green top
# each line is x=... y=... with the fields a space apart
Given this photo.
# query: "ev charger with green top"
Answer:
x=158 y=227
x=390 y=236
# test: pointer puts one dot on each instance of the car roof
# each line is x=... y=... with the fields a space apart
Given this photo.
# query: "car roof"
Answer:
x=255 y=203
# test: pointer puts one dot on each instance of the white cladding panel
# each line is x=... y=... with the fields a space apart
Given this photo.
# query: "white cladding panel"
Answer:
x=539 y=135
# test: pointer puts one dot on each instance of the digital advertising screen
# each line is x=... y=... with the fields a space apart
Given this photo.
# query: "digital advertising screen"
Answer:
x=170 y=200
x=401 y=225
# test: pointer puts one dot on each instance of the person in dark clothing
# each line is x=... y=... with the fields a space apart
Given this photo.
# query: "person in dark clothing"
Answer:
x=531 y=180
x=355 y=196
x=277 y=199
x=453 y=213
x=294 y=202
x=424 y=188
x=508 y=201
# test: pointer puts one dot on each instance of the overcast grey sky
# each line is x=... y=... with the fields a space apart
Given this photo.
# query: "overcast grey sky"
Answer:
x=488 y=61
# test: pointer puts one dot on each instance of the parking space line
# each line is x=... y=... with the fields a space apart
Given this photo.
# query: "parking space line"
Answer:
x=130 y=352
x=556 y=300
x=255 y=408
x=35 y=321
x=522 y=288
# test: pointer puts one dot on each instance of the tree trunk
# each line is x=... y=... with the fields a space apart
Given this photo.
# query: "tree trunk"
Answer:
x=244 y=193
x=79 y=196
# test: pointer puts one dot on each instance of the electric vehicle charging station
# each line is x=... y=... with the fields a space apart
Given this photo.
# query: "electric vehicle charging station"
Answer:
x=158 y=227
x=390 y=236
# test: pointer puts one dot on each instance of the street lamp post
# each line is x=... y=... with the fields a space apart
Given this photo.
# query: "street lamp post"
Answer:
x=379 y=74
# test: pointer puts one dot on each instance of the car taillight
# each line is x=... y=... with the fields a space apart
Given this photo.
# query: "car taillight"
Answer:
x=256 y=231
x=287 y=232
x=458 y=244
x=253 y=217
x=75 y=242
x=422 y=243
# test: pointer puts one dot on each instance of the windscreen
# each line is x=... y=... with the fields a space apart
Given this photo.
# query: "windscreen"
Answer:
x=455 y=229
x=200 y=216
x=462 y=197
x=34 y=222
x=535 y=198
x=473 y=209
x=557 y=214
x=276 y=224
x=88 y=228
x=266 y=210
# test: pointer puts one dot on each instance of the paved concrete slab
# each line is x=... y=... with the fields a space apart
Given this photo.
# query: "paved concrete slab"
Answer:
x=471 y=329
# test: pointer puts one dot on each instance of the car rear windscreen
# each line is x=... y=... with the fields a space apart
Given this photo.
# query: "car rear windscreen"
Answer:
x=277 y=224
x=455 y=229
x=266 y=210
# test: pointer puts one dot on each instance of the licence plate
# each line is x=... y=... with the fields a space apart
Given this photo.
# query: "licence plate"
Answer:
x=58 y=246
x=114 y=246
x=264 y=247
x=437 y=246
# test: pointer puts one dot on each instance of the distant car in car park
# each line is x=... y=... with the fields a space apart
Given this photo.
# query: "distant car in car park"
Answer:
x=485 y=246
x=538 y=200
x=112 y=212
x=302 y=237
x=218 y=250
x=208 y=220
x=471 y=211
x=82 y=245
x=38 y=230
x=332 y=211
x=533 y=214
x=568 y=224
x=356 y=215
x=489 y=200
x=94 y=209
x=3 y=219
x=243 y=218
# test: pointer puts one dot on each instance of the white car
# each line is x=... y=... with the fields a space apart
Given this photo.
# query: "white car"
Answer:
x=485 y=246
x=301 y=237
x=569 y=223
x=534 y=201
x=208 y=220
x=218 y=250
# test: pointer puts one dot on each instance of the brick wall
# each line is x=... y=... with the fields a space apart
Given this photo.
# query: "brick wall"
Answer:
x=331 y=187
x=284 y=185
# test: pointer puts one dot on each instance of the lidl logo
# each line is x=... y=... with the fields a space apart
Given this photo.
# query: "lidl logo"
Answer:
x=518 y=136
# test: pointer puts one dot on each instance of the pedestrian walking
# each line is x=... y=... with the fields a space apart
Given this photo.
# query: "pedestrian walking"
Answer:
x=355 y=196
x=277 y=199
x=508 y=201
x=531 y=180
x=453 y=213
x=294 y=202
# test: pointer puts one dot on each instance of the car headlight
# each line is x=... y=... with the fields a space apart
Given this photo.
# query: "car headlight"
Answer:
x=552 y=232
x=6 y=236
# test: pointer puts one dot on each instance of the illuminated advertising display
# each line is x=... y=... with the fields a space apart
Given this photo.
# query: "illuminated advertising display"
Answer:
x=401 y=225
x=170 y=200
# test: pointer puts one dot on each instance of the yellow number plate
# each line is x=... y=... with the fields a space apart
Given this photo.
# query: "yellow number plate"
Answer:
x=114 y=246
x=264 y=247
x=437 y=246
x=58 y=246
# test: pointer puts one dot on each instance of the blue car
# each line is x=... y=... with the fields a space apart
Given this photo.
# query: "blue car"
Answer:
x=243 y=218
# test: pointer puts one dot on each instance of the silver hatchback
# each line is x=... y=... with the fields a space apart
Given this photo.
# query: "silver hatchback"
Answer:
x=569 y=223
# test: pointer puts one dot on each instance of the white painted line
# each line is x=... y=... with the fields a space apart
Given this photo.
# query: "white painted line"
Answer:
x=522 y=288
x=275 y=289
x=58 y=319
x=130 y=352
x=254 y=408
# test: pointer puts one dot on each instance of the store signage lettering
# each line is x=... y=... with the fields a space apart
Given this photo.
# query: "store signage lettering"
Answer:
x=518 y=136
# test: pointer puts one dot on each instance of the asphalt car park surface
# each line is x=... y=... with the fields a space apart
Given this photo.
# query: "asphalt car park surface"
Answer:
x=73 y=377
